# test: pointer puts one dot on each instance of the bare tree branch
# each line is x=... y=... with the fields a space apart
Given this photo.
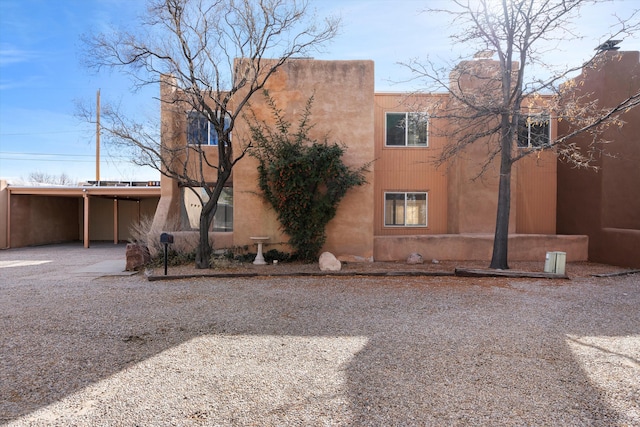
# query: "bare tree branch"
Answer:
x=217 y=54
x=488 y=98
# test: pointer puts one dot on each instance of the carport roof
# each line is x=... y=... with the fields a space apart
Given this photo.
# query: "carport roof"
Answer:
x=123 y=192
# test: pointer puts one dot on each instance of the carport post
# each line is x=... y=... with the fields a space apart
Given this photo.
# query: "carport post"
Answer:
x=8 y=218
x=85 y=198
x=116 y=237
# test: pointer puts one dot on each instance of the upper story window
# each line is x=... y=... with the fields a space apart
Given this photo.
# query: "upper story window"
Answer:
x=534 y=131
x=407 y=130
x=200 y=131
x=405 y=209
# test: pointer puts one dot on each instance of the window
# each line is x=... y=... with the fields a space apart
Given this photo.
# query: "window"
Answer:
x=405 y=209
x=407 y=129
x=200 y=131
x=534 y=131
x=191 y=208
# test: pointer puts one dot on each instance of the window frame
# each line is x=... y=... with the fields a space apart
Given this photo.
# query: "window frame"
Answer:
x=424 y=116
x=524 y=121
x=223 y=220
x=405 y=225
x=212 y=135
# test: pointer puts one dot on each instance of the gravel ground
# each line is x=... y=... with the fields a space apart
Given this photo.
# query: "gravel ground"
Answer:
x=79 y=349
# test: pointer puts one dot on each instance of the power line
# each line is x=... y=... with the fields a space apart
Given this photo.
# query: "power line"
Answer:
x=11 y=153
x=41 y=133
x=47 y=160
x=43 y=154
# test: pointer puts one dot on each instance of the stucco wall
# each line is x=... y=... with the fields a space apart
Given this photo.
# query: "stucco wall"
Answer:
x=343 y=109
x=478 y=247
x=173 y=134
x=37 y=220
x=473 y=199
x=101 y=220
x=473 y=180
x=605 y=203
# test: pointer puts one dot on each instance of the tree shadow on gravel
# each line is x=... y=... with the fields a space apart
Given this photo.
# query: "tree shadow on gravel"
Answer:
x=492 y=355
x=434 y=352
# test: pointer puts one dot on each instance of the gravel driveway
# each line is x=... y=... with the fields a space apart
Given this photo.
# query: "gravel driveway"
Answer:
x=80 y=349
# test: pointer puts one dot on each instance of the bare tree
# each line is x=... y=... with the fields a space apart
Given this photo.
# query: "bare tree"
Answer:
x=488 y=106
x=213 y=55
x=39 y=177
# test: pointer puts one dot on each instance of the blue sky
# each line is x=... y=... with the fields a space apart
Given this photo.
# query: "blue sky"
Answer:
x=41 y=76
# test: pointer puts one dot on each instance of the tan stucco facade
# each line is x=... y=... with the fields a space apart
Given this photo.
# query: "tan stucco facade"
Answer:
x=548 y=197
x=461 y=208
x=605 y=203
x=343 y=108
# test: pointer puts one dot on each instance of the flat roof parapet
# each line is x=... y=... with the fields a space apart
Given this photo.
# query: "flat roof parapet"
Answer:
x=121 y=184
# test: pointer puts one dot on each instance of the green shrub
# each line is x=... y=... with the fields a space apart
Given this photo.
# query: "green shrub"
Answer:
x=275 y=255
x=301 y=178
x=248 y=257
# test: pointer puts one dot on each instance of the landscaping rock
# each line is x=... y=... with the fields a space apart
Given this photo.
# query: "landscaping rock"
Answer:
x=137 y=256
x=415 y=258
x=328 y=262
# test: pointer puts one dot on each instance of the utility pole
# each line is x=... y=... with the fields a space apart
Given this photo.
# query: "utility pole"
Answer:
x=98 y=137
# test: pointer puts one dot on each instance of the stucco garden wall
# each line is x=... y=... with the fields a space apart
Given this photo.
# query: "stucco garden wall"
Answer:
x=478 y=247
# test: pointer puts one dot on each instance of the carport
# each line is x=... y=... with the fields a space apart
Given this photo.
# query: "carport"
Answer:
x=43 y=215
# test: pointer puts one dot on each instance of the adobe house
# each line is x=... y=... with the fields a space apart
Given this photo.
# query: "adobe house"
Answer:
x=350 y=101
x=605 y=203
x=408 y=205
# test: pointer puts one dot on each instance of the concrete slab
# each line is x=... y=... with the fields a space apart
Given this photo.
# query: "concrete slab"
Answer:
x=108 y=268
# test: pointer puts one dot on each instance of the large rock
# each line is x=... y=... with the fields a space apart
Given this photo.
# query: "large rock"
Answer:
x=137 y=256
x=415 y=258
x=328 y=262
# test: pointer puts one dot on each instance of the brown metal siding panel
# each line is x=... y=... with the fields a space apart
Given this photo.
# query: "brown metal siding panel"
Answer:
x=407 y=169
x=536 y=194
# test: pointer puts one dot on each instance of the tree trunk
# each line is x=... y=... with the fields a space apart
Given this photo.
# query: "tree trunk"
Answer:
x=203 y=252
x=501 y=237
